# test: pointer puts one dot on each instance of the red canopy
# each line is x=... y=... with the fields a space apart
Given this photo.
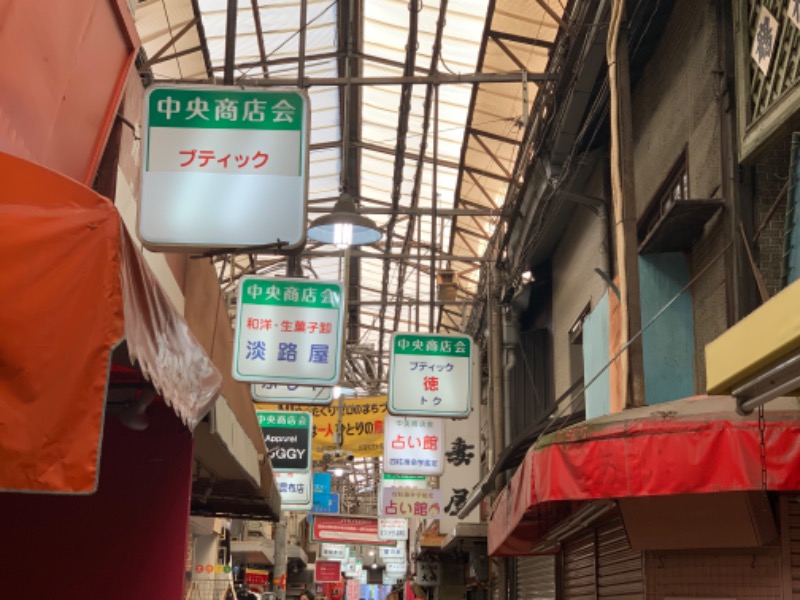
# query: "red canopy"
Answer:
x=71 y=279
x=698 y=445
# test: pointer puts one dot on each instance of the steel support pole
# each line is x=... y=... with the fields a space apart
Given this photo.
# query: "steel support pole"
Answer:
x=281 y=556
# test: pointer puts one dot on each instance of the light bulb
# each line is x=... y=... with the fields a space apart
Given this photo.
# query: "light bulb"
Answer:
x=338 y=471
x=343 y=234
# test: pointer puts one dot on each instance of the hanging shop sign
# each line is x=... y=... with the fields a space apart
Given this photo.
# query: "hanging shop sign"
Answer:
x=325 y=503
x=764 y=40
x=288 y=331
x=462 y=470
x=396 y=553
x=392 y=480
x=287 y=438
x=322 y=483
x=362 y=426
x=431 y=375
x=353 y=568
x=396 y=569
x=295 y=490
x=428 y=574
x=392 y=528
x=352 y=589
x=408 y=502
x=327 y=571
x=413 y=446
x=353 y=530
x=278 y=393
x=338 y=552
x=256 y=577
x=224 y=167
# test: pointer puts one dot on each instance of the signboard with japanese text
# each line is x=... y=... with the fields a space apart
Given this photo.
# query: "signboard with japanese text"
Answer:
x=352 y=589
x=288 y=331
x=322 y=483
x=327 y=571
x=431 y=375
x=393 y=528
x=408 y=502
x=354 y=567
x=224 y=167
x=396 y=553
x=413 y=446
x=287 y=438
x=325 y=503
x=392 y=480
x=428 y=574
x=350 y=529
x=277 y=393
x=338 y=552
x=256 y=577
x=396 y=569
x=362 y=424
x=295 y=490
x=462 y=470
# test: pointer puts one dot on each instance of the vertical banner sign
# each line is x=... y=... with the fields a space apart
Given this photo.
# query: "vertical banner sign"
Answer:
x=462 y=470
x=288 y=331
x=413 y=446
x=431 y=375
x=352 y=589
x=276 y=393
x=224 y=167
x=428 y=574
x=288 y=439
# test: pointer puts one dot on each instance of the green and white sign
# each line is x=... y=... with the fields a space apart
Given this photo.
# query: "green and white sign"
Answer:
x=288 y=331
x=431 y=375
x=276 y=393
x=287 y=437
x=224 y=166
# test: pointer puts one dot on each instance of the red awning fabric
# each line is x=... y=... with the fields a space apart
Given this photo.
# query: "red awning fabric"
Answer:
x=697 y=445
x=72 y=284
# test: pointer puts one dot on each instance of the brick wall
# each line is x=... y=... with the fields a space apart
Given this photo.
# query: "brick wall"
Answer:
x=675 y=107
x=771 y=173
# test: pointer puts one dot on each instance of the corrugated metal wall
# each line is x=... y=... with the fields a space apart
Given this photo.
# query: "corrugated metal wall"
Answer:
x=536 y=578
x=579 y=568
x=620 y=569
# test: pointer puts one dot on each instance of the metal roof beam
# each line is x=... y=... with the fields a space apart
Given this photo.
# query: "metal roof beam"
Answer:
x=520 y=39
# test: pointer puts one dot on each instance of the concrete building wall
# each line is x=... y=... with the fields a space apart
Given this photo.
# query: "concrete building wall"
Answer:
x=575 y=284
x=675 y=108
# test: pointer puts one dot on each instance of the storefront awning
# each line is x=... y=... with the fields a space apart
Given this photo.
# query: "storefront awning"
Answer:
x=698 y=445
x=73 y=284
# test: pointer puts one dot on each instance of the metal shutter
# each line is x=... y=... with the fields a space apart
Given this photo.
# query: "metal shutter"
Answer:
x=620 y=572
x=536 y=578
x=579 y=568
x=794 y=540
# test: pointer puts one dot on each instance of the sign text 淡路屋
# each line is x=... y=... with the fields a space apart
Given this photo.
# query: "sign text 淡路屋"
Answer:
x=430 y=375
x=288 y=331
x=201 y=142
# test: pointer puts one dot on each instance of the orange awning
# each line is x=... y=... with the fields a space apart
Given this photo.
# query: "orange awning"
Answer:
x=72 y=281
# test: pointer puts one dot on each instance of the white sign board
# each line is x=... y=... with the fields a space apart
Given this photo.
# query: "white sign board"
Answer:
x=393 y=553
x=393 y=529
x=338 y=552
x=397 y=569
x=413 y=446
x=462 y=470
x=408 y=502
x=407 y=481
x=276 y=393
x=224 y=166
x=288 y=331
x=295 y=490
x=353 y=567
x=428 y=574
x=431 y=375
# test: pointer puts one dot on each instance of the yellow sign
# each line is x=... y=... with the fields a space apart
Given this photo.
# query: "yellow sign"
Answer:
x=362 y=425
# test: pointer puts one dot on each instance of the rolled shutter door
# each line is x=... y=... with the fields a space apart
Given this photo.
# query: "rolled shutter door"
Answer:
x=536 y=578
x=579 y=568
x=620 y=571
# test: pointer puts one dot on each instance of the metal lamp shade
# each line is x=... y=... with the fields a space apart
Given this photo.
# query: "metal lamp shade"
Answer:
x=365 y=231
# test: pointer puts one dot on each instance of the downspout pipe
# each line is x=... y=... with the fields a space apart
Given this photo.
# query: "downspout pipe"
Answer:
x=510 y=342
